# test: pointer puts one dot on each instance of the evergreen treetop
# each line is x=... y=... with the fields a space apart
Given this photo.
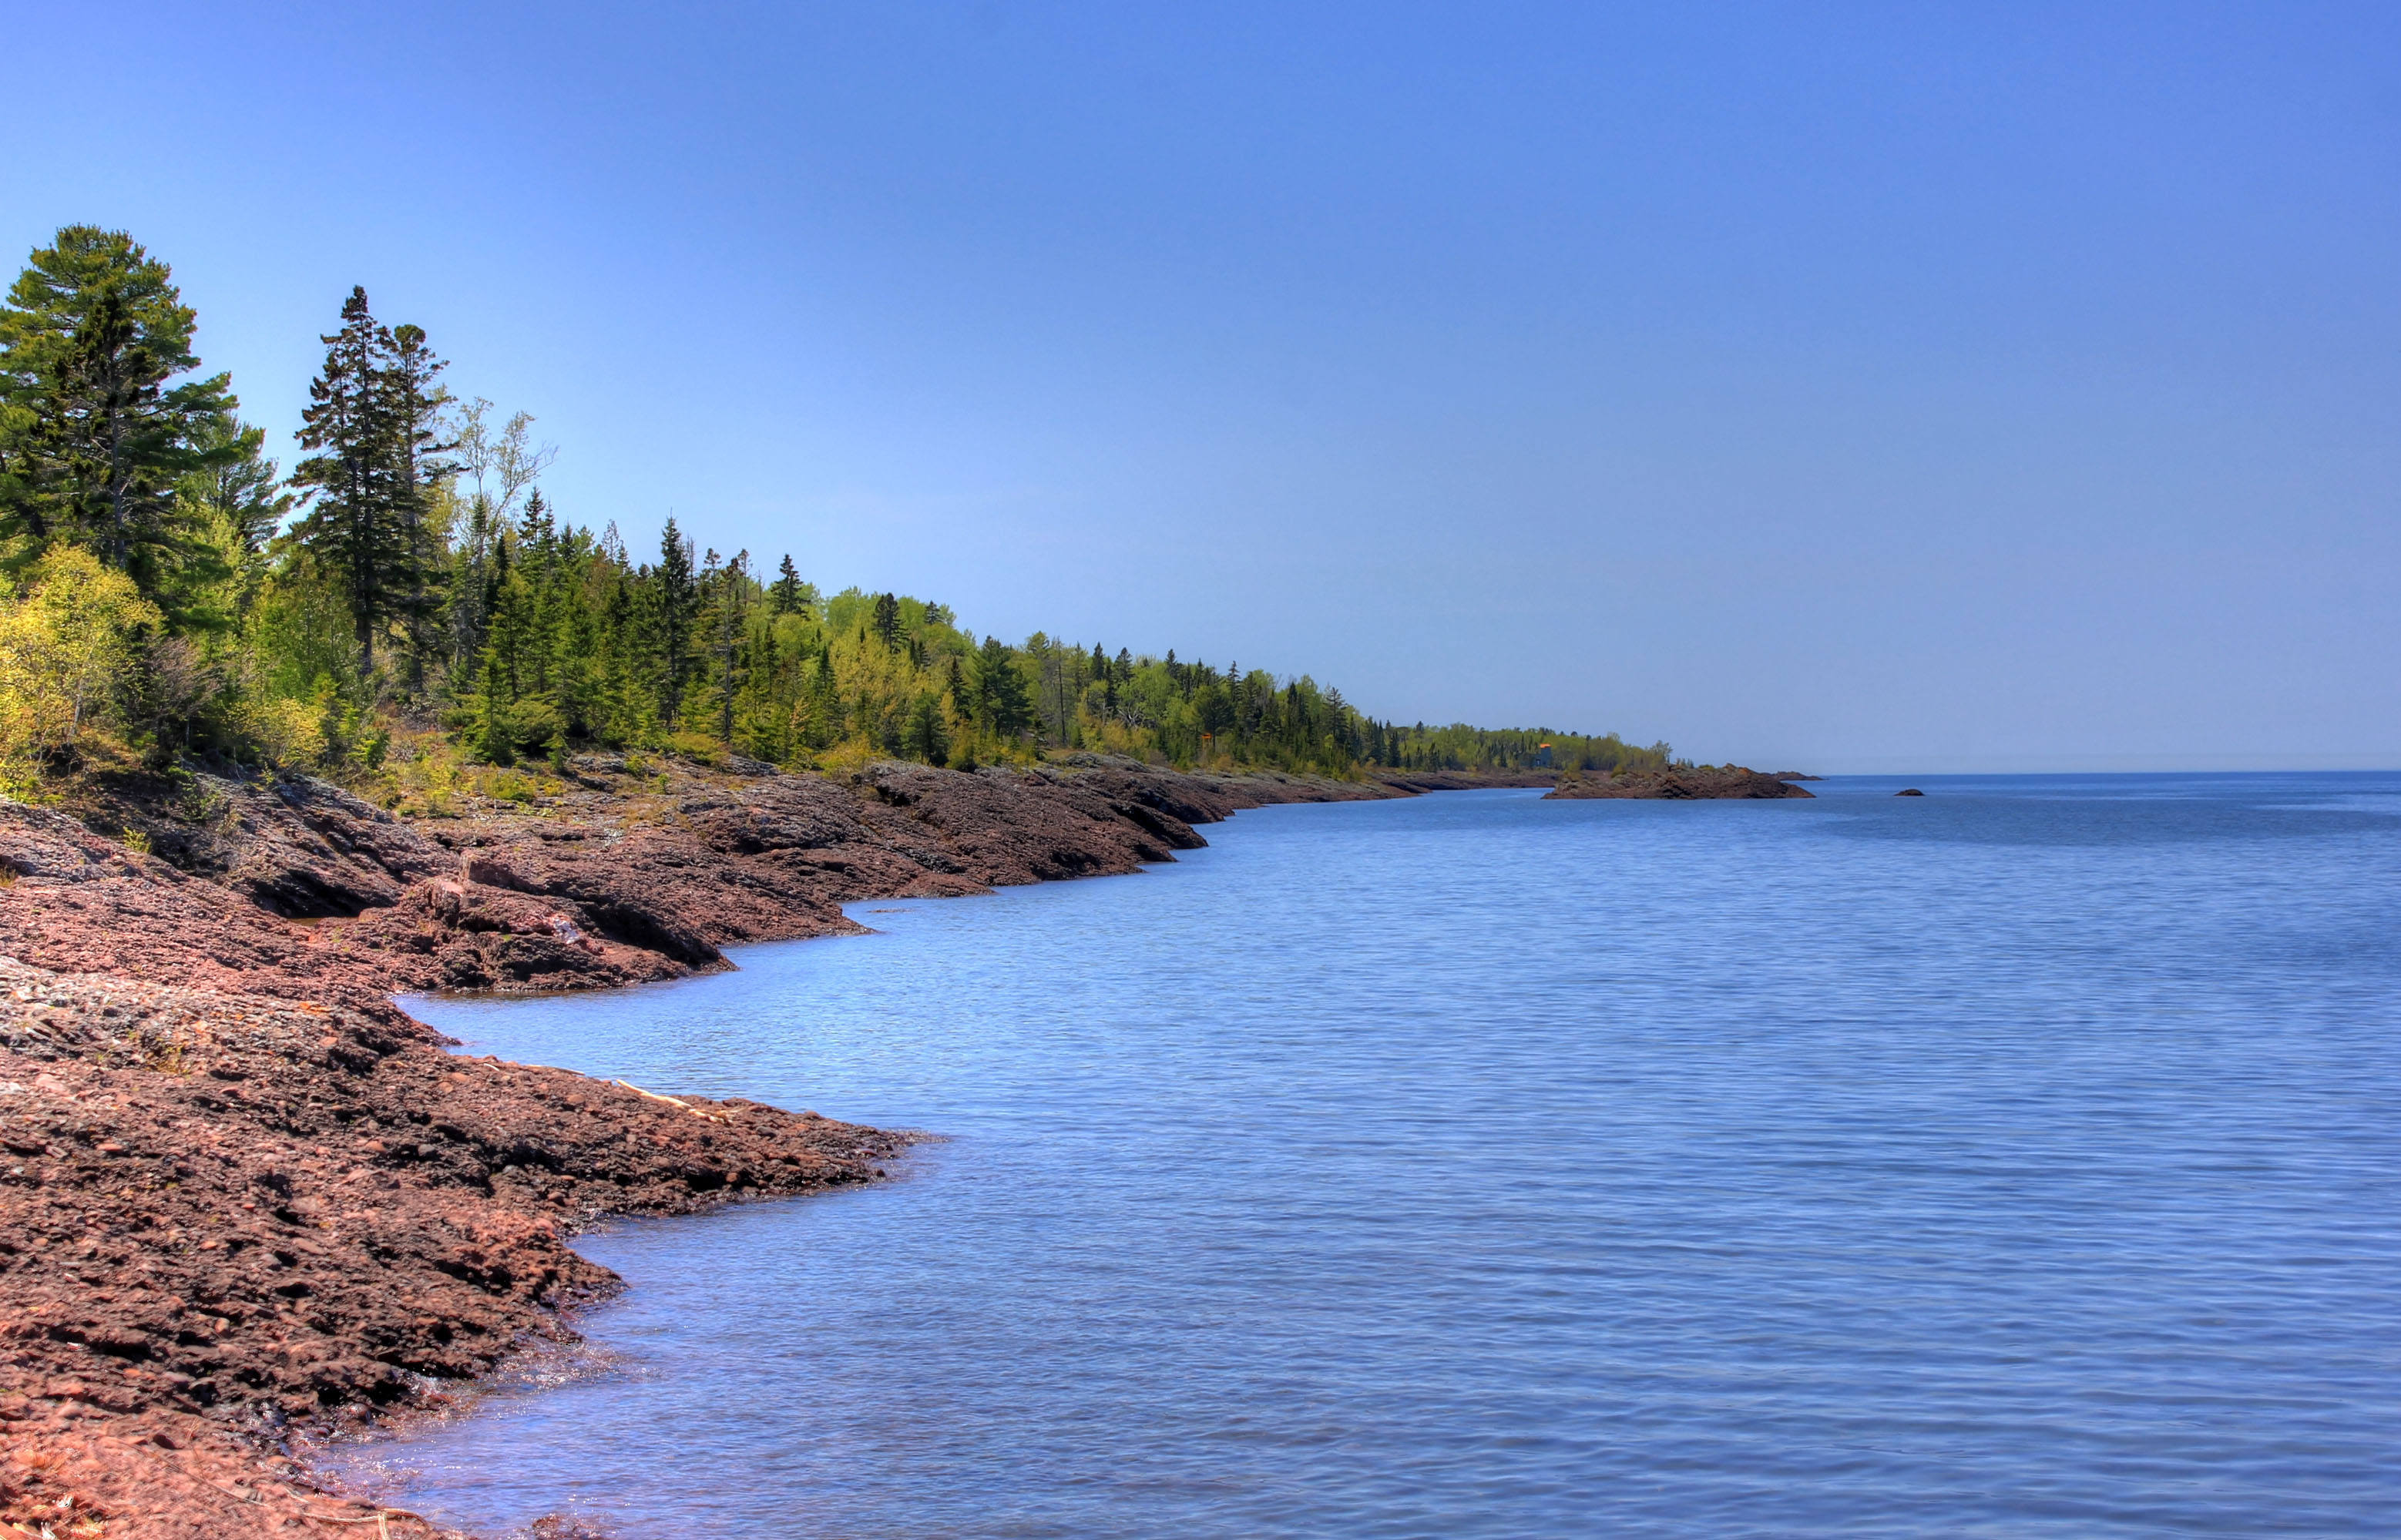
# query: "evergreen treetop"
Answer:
x=94 y=438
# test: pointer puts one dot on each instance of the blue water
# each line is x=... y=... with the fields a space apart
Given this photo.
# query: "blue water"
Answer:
x=2021 y=1160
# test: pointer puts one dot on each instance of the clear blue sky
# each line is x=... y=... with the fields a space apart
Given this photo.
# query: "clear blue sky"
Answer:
x=1831 y=385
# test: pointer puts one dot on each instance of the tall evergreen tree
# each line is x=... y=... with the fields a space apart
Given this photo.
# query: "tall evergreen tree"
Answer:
x=727 y=623
x=784 y=594
x=353 y=525
x=928 y=737
x=241 y=485
x=675 y=603
x=93 y=438
x=825 y=712
x=1007 y=704
x=414 y=400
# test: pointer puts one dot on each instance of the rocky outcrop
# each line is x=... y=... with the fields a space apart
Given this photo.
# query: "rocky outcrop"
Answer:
x=1679 y=784
x=242 y=1193
x=224 y=1215
x=296 y=888
x=1414 y=781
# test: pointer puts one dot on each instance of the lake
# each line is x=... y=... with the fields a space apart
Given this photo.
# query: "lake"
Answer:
x=2020 y=1160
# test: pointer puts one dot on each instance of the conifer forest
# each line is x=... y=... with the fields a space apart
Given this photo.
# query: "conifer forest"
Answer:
x=402 y=604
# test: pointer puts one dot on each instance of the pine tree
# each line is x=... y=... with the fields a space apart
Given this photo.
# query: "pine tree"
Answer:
x=353 y=525
x=675 y=603
x=93 y=438
x=470 y=556
x=887 y=620
x=1007 y=703
x=625 y=700
x=489 y=715
x=825 y=712
x=728 y=623
x=414 y=400
x=928 y=737
x=784 y=595
x=241 y=485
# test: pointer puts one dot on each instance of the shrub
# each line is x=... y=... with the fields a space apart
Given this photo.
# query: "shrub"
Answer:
x=698 y=747
x=288 y=733
x=67 y=648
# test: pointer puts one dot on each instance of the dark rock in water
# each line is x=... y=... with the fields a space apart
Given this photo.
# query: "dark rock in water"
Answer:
x=1687 y=783
x=1796 y=775
x=1910 y=791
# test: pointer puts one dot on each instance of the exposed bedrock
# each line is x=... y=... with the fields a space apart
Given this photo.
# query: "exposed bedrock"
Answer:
x=1705 y=781
x=242 y=1195
x=222 y=1215
x=296 y=888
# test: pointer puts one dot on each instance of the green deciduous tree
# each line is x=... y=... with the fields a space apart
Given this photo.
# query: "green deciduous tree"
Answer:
x=67 y=648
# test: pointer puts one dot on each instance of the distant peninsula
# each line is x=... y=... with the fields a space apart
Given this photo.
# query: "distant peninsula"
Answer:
x=1679 y=782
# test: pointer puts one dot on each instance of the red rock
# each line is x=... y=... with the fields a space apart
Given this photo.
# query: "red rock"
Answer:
x=245 y=1197
x=1688 y=782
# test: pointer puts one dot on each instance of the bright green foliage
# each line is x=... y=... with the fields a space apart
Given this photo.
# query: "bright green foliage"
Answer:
x=68 y=646
x=429 y=582
x=583 y=646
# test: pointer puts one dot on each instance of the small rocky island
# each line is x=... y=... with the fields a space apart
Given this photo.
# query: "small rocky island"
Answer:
x=1679 y=784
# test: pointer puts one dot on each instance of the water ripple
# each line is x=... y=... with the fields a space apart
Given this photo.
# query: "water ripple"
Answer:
x=2018 y=1160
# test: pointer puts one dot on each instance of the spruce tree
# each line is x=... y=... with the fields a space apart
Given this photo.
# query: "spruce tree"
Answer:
x=354 y=525
x=1007 y=703
x=241 y=485
x=825 y=712
x=471 y=557
x=728 y=622
x=887 y=620
x=675 y=603
x=414 y=400
x=784 y=594
x=93 y=438
x=488 y=710
x=928 y=736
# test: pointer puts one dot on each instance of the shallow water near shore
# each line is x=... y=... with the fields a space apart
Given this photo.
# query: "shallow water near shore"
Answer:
x=2021 y=1160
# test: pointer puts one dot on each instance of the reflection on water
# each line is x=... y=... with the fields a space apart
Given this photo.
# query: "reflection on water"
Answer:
x=2020 y=1160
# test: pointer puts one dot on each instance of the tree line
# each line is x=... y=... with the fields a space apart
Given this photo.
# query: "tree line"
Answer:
x=170 y=592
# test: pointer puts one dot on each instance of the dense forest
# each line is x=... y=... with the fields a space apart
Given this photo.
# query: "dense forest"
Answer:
x=405 y=605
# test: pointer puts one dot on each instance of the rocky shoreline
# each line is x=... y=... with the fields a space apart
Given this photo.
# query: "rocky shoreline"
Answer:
x=1710 y=782
x=244 y=1198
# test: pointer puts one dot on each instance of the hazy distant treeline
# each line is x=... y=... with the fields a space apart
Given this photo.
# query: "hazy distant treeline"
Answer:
x=172 y=591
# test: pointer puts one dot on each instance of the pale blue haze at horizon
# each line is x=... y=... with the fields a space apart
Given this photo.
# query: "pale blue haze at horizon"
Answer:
x=1897 y=387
